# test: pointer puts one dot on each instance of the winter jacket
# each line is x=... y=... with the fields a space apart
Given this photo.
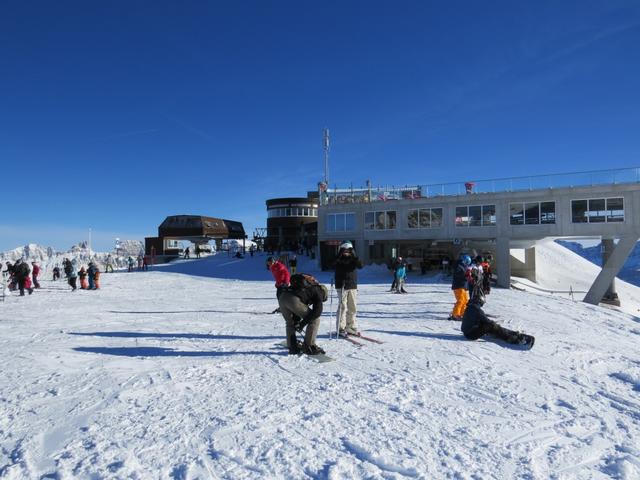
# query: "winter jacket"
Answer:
x=280 y=274
x=21 y=271
x=91 y=271
x=459 y=276
x=36 y=270
x=312 y=296
x=401 y=272
x=473 y=317
x=73 y=270
x=346 y=272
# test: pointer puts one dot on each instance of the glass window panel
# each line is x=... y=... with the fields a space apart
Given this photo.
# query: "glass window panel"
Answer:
x=340 y=222
x=425 y=218
x=462 y=216
x=597 y=212
x=516 y=214
x=475 y=216
x=380 y=216
x=412 y=219
x=532 y=213
x=579 y=211
x=547 y=212
x=436 y=217
x=287 y=212
x=488 y=215
x=391 y=219
x=350 y=222
x=331 y=222
x=369 y=220
x=615 y=210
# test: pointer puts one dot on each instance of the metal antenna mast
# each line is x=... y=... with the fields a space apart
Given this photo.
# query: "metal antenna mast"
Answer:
x=326 y=155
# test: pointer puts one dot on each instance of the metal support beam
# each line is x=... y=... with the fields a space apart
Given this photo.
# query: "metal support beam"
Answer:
x=610 y=269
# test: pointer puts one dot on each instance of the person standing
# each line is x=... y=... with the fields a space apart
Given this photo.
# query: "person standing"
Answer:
x=56 y=273
x=72 y=276
x=294 y=305
x=401 y=275
x=91 y=275
x=35 y=271
x=346 y=277
x=109 y=264
x=82 y=275
x=130 y=263
x=458 y=285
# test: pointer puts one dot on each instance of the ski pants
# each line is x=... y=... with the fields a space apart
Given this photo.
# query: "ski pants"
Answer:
x=72 y=282
x=462 y=298
x=347 y=308
x=91 y=282
x=489 y=327
x=292 y=309
x=399 y=285
x=35 y=281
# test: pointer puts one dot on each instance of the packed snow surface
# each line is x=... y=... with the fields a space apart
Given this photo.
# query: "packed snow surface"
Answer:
x=179 y=373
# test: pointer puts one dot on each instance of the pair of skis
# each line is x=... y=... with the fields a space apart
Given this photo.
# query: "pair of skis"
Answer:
x=348 y=337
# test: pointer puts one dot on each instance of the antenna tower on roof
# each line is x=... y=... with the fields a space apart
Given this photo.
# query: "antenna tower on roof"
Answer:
x=325 y=144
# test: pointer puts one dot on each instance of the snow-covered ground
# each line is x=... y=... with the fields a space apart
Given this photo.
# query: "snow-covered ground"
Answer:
x=178 y=373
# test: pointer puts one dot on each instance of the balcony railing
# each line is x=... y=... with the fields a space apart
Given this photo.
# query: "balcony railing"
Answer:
x=470 y=187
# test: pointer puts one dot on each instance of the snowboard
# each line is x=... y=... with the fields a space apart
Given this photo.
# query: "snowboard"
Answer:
x=319 y=358
x=527 y=341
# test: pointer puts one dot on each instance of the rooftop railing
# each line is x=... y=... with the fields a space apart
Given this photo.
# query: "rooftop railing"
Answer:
x=512 y=184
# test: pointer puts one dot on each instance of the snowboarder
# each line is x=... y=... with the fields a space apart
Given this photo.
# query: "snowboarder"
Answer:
x=294 y=305
x=476 y=324
x=346 y=280
x=458 y=286
x=35 y=271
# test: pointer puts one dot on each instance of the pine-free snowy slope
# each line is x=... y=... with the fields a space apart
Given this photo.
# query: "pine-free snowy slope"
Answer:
x=170 y=375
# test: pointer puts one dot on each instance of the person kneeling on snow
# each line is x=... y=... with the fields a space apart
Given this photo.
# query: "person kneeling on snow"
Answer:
x=476 y=324
x=294 y=305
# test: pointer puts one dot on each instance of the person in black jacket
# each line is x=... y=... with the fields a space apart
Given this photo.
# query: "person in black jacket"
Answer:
x=294 y=305
x=346 y=267
x=22 y=272
x=476 y=324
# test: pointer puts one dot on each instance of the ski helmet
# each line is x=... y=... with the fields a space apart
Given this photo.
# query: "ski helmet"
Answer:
x=346 y=245
x=466 y=259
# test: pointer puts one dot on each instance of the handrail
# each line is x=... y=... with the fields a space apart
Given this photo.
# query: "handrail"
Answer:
x=505 y=184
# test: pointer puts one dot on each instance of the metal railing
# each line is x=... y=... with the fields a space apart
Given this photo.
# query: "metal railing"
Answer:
x=511 y=184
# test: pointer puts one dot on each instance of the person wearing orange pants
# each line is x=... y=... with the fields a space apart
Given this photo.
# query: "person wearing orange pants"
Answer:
x=458 y=285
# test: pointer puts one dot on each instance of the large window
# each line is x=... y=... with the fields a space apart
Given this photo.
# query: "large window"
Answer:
x=476 y=216
x=532 y=213
x=292 y=212
x=380 y=220
x=425 y=218
x=597 y=210
x=340 y=222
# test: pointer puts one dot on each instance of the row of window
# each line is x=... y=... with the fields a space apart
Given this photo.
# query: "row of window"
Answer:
x=599 y=210
x=292 y=212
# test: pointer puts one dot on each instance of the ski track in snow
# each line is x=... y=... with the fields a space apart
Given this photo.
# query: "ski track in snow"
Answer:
x=168 y=375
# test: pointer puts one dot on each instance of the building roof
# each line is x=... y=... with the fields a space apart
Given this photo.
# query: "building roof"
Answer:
x=198 y=226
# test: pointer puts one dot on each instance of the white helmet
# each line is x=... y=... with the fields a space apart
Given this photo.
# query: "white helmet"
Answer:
x=346 y=245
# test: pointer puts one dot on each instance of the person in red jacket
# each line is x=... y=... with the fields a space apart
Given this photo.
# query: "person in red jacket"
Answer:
x=35 y=271
x=280 y=275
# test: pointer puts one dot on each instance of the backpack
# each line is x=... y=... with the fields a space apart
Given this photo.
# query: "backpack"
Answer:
x=300 y=281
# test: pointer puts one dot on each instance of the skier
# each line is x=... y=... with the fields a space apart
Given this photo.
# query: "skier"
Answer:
x=109 y=264
x=21 y=274
x=35 y=271
x=293 y=264
x=280 y=275
x=72 y=275
x=476 y=324
x=474 y=275
x=458 y=287
x=401 y=275
x=56 y=273
x=91 y=275
x=346 y=278
x=82 y=275
x=397 y=263
x=294 y=305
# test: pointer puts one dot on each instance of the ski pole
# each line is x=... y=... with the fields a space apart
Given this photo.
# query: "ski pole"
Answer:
x=330 y=307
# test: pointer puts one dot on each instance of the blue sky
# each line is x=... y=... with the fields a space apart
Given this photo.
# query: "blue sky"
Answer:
x=116 y=114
